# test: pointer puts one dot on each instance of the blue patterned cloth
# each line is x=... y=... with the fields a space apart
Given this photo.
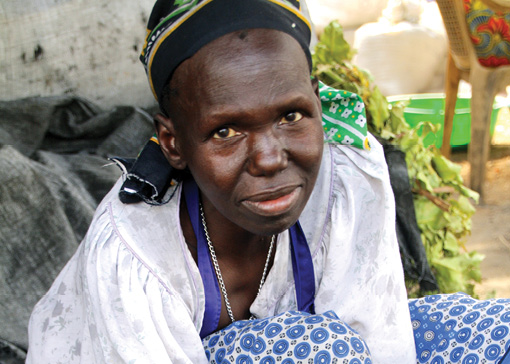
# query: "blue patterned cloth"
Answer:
x=289 y=338
x=455 y=328
x=448 y=328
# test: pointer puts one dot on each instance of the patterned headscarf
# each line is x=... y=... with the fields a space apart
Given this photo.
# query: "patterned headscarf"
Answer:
x=177 y=29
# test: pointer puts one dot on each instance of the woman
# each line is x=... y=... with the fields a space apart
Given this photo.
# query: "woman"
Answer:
x=269 y=220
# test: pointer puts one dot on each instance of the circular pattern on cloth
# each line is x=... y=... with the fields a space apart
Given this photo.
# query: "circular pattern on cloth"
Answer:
x=296 y=332
x=456 y=328
x=457 y=310
x=357 y=345
x=505 y=317
x=247 y=341
x=289 y=338
x=260 y=326
x=302 y=350
x=281 y=347
x=341 y=348
x=463 y=335
x=436 y=316
x=259 y=346
x=495 y=309
x=437 y=360
x=432 y=298
x=322 y=357
x=477 y=341
x=314 y=319
x=243 y=359
x=338 y=328
x=219 y=355
x=267 y=360
x=471 y=317
x=499 y=333
x=492 y=352
x=230 y=337
x=319 y=335
x=272 y=330
x=471 y=359
x=443 y=305
x=456 y=354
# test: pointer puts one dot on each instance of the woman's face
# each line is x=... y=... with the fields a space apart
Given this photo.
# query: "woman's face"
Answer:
x=247 y=123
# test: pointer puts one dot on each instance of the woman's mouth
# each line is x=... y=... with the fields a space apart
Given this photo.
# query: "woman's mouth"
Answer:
x=273 y=205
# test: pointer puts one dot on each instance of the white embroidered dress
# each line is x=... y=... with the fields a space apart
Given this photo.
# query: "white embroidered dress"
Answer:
x=132 y=293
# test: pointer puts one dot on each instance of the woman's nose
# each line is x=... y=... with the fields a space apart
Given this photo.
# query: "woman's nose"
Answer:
x=267 y=155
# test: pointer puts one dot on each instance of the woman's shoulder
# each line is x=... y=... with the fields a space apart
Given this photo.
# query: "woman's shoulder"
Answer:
x=144 y=236
x=138 y=226
x=360 y=189
x=349 y=178
x=123 y=274
x=349 y=160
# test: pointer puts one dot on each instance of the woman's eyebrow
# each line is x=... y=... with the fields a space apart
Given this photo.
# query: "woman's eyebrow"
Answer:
x=229 y=113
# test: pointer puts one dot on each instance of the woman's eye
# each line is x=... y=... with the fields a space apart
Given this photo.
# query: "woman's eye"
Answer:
x=225 y=133
x=291 y=117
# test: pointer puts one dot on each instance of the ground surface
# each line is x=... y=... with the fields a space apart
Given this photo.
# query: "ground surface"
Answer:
x=491 y=222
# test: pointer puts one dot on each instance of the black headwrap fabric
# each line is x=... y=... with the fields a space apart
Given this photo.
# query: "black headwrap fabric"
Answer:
x=177 y=29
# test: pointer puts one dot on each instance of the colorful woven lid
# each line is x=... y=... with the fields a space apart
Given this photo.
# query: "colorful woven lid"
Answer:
x=177 y=29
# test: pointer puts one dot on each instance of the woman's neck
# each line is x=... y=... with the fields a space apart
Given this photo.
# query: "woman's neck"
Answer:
x=243 y=259
x=231 y=242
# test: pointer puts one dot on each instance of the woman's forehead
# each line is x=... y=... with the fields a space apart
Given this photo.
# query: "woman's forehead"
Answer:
x=256 y=74
x=243 y=57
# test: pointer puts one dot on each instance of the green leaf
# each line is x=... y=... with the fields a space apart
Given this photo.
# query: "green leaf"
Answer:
x=474 y=269
x=426 y=180
x=475 y=196
x=427 y=213
x=397 y=121
x=449 y=275
x=462 y=204
x=448 y=170
x=332 y=48
x=456 y=223
x=378 y=108
x=451 y=244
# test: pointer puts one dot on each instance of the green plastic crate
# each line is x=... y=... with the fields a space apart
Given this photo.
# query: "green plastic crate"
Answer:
x=430 y=107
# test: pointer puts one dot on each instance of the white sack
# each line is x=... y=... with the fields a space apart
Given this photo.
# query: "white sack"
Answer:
x=403 y=58
x=349 y=13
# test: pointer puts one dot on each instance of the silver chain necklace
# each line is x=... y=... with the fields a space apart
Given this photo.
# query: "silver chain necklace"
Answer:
x=217 y=266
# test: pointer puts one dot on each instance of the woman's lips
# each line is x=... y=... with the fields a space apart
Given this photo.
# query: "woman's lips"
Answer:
x=273 y=206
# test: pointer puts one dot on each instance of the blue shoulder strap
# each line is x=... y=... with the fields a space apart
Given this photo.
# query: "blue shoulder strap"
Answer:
x=302 y=268
x=205 y=266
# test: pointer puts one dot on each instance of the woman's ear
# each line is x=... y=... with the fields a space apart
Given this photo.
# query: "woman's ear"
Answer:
x=167 y=137
x=315 y=85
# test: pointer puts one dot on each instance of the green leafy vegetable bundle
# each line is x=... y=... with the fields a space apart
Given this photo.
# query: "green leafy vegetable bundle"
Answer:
x=443 y=205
